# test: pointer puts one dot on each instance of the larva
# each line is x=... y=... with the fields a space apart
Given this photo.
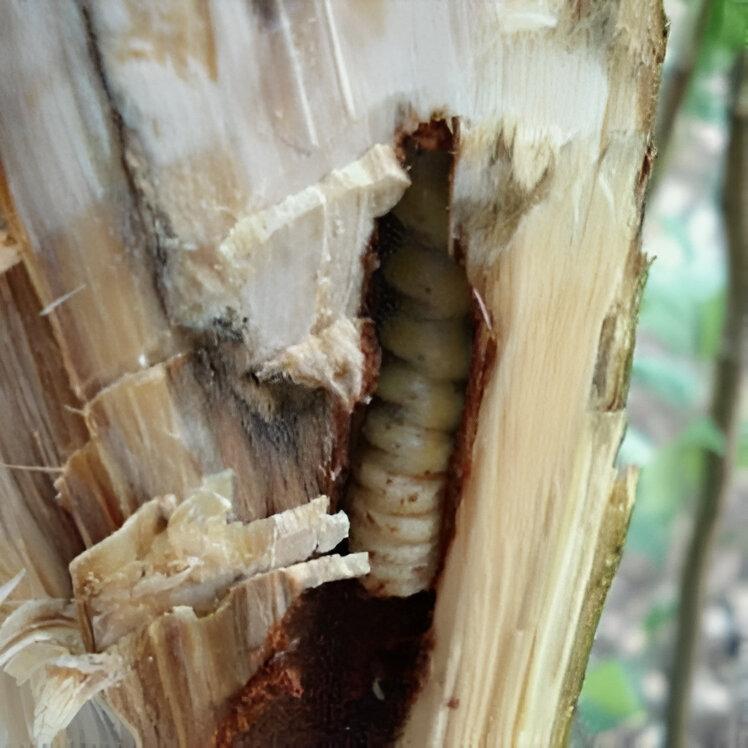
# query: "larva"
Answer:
x=396 y=495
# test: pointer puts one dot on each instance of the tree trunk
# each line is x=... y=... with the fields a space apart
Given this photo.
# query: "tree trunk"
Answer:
x=256 y=253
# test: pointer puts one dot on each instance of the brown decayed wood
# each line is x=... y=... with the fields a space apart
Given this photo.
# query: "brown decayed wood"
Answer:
x=346 y=676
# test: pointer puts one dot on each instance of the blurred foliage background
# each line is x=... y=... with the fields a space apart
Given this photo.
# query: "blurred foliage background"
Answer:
x=670 y=431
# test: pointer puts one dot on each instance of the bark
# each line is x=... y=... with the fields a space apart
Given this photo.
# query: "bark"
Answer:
x=198 y=195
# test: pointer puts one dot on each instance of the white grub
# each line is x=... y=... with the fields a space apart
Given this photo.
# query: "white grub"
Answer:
x=400 y=470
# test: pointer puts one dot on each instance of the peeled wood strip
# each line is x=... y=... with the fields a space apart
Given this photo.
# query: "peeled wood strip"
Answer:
x=190 y=554
x=49 y=622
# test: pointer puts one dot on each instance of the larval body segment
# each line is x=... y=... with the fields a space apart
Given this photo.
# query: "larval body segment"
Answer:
x=400 y=472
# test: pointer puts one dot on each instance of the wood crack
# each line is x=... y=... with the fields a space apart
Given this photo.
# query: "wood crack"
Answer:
x=149 y=224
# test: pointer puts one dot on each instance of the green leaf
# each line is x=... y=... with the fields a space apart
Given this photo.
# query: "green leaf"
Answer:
x=726 y=34
x=668 y=316
x=742 y=457
x=702 y=103
x=677 y=287
x=671 y=478
x=704 y=434
x=608 y=696
x=660 y=614
x=711 y=315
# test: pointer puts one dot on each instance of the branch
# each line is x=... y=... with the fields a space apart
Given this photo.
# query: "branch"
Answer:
x=675 y=92
x=725 y=413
